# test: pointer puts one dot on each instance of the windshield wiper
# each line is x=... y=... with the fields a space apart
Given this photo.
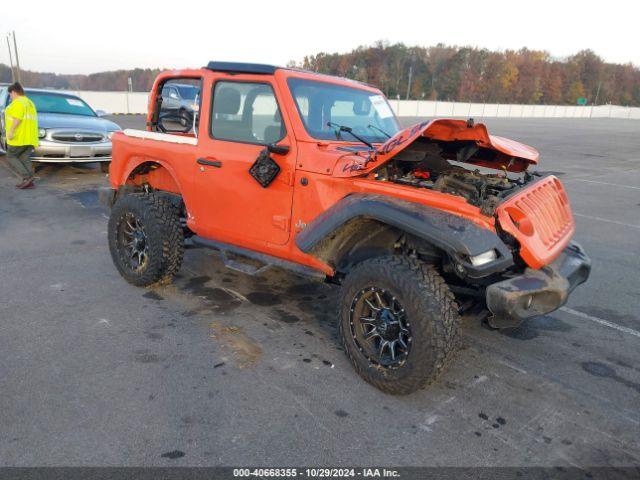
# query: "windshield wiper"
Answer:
x=349 y=130
x=373 y=127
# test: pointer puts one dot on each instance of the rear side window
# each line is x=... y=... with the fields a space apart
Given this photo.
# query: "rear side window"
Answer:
x=180 y=106
x=246 y=112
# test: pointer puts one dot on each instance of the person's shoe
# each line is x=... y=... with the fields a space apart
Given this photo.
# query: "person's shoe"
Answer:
x=23 y=182
x=28 y=183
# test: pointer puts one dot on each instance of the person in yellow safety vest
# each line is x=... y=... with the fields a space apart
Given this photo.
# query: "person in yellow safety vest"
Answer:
x=21 y=127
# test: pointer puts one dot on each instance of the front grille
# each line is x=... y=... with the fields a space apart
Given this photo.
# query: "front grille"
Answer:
x=78 y=137
x=540 y=218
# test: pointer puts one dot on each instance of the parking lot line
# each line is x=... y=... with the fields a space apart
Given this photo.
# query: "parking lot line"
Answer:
x=606 y=220
x=604 y=183
x=606 y=323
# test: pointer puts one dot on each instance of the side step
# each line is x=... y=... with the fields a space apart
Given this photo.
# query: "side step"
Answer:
x=265 y=260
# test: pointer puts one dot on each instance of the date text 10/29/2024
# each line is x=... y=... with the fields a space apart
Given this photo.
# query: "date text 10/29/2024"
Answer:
x=316 y=472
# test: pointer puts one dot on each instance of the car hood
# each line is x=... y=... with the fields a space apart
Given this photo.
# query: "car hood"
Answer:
x=61 y=120
x=508 y=154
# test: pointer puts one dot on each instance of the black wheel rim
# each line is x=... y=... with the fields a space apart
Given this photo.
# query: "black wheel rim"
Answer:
x=132 y=242
x=380 y=328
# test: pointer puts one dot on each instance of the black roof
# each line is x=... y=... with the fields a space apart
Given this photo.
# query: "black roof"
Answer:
x=236 y=67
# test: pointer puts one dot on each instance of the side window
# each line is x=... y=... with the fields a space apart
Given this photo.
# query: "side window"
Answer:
x=180 y=105
x=246 y=112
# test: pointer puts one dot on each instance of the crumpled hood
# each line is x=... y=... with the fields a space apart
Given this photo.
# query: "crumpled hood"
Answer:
x=76 y=122
x=512 y=155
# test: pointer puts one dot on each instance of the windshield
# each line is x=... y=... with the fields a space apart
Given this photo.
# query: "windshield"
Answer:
x=367 y=113
x=55 y=103
x=187 y=92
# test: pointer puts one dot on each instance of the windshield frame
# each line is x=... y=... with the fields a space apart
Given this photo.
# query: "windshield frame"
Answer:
x=30 y=93
x=375 y=137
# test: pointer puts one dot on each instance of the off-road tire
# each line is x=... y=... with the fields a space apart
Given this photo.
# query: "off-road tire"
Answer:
x=431 y=308
x=165 y=237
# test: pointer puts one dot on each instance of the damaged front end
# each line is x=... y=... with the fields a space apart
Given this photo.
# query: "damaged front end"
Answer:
x=531 y=214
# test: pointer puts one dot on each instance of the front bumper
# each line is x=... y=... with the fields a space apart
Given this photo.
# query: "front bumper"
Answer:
x=57 y=152
x=536 y=292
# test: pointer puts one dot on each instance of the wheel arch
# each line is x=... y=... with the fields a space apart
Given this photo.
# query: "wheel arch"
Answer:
x=156 y=173
x=364 y=225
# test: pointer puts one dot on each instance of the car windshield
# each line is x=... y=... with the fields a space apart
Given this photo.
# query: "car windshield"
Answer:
x=367 y=113
x=56 y=103
x=187 y=92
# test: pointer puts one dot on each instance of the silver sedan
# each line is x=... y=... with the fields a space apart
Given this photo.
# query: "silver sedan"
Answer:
x=70 y=130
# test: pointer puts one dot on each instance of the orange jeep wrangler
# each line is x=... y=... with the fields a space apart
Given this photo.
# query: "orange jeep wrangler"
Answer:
x=313 y=173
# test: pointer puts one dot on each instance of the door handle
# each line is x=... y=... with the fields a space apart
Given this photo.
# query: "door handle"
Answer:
x=210 y=163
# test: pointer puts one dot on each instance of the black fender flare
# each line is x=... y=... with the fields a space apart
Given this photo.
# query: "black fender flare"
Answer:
x=453 y=234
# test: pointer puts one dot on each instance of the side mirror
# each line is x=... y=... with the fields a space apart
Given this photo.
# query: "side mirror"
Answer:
x=278 y=149
x=101 y=113
x=170 y=122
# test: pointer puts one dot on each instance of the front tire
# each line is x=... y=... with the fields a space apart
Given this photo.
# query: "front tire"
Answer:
x=145 y=238
x=104 y=167
x=398 y=322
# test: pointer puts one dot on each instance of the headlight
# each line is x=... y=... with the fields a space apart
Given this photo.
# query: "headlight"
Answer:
x=110 y=134
x=483 y=258
x=42 y=133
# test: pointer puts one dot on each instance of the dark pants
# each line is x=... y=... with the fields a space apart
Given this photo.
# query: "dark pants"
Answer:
x=19 y=157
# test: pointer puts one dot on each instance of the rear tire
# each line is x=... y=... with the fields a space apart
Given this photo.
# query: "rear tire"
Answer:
x=145 y=238
x=419 y=316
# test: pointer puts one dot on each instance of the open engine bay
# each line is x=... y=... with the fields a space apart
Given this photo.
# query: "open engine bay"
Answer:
x=447 y=167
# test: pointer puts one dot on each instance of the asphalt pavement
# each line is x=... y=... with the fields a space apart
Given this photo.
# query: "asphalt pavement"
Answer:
x=221 y=368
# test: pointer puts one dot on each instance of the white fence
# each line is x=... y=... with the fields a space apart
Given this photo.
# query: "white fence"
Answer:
x=414 y=108
x=136 y=102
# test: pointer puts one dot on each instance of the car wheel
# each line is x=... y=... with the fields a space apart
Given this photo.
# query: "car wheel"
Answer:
x=104 y=167
x=184 y=118
x=398 y=322
x=146 y=240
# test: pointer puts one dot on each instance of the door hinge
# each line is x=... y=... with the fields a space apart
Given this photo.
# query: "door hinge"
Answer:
x=281 y=222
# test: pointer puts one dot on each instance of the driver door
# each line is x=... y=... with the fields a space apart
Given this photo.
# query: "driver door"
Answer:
x=232 y=205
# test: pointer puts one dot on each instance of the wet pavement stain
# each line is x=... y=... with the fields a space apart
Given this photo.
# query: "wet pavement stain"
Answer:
x=89 y=200
x=284 y=316
x=173 y=454
x=78 y=242
x=605 y=371
x=247 y=351
x=304 y=288
x=341 y=413
x=215 y=296
x=264 y=299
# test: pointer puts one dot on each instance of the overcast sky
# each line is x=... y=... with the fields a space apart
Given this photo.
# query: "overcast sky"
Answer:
x=68 y=36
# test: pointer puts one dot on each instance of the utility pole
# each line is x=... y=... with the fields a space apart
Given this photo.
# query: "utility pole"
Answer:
x=595 y=102
x=15 y=49
x=413 y=58
x=13 y=72
x=409 y=82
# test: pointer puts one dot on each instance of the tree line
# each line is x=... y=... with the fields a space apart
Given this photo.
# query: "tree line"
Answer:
x=466 y=74
x=141 y=79
x=442 y=72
